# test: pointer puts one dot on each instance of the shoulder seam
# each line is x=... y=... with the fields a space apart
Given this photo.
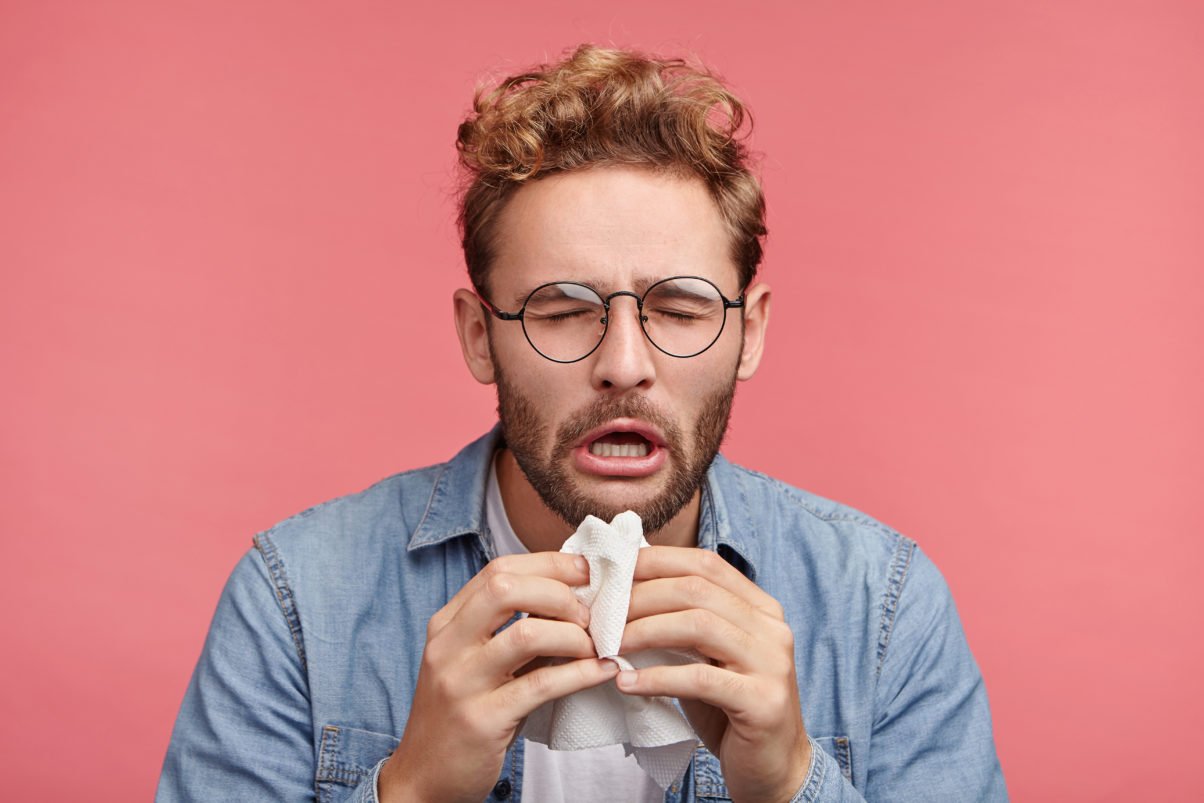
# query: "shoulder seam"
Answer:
x=896 y=576
x=283 y=591
x=800 y=498
x=312 y=509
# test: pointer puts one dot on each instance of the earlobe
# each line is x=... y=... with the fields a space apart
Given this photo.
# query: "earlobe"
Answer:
x=473 y=329
x=756 y=322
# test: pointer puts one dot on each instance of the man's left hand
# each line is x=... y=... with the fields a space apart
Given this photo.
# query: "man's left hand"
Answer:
x=745 y=703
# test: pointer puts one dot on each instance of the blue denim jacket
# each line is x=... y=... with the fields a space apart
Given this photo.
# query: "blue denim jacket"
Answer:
x=305 y=680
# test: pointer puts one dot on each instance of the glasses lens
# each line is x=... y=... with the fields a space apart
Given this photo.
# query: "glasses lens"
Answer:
x=564 y=321
x=683 y=316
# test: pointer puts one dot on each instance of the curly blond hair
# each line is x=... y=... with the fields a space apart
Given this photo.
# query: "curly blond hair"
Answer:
x=607 y=107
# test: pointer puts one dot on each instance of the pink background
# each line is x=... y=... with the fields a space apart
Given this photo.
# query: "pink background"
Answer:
x=227 y=251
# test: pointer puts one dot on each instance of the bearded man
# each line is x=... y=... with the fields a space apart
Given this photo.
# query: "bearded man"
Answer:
x=390 y=645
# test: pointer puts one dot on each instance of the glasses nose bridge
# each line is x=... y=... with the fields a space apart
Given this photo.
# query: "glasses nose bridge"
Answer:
x=639 y=300
x=639 y=306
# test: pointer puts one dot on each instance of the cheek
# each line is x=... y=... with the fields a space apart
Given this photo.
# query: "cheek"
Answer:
x=695 y=381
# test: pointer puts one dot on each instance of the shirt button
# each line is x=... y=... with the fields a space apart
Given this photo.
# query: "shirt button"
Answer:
x=501 y=790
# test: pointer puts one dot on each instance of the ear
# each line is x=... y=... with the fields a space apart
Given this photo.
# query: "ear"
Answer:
x=756 y=321
x=472 y=327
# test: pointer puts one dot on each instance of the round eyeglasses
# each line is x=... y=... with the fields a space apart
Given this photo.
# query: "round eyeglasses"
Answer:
x=565 y=322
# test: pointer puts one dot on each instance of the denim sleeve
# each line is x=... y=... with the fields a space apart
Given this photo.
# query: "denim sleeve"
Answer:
x=932 y=736
x=244 y=731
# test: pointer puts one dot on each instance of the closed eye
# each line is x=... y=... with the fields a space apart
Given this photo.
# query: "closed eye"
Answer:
x=560 y=317
x=676 y=316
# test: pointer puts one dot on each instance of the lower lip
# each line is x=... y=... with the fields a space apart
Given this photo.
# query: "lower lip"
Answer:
x=619 y=466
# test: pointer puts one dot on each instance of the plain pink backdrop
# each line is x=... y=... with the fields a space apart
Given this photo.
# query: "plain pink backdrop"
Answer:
x=227 y=252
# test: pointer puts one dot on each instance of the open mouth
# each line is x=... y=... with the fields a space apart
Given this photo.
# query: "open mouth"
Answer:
x=624 y=447
x=621 y=444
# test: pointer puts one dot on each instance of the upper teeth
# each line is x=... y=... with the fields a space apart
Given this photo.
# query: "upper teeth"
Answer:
x=618 y=450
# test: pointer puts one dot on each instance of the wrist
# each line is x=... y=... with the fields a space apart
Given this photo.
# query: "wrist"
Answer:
x=392 y=786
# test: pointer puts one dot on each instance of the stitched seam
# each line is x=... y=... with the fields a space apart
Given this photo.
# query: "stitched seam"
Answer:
x=309 y=511
x=704 y=786
x=284 y=592
x=331 y=769
x=807 y=505
x=819 y=769
x=330 y=740
x=844 y=757
x=897 y=576
x=436 y=490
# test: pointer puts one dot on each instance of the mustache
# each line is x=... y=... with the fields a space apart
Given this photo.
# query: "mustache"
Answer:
x=603 y=410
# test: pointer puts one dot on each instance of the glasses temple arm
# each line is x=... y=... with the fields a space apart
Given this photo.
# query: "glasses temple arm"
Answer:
x=497 y=313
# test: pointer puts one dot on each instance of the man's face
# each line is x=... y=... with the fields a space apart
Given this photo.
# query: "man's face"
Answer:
x=612 y=229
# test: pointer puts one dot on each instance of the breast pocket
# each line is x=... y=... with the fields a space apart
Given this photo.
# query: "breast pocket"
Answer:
x=709 y=786
x=346 y=757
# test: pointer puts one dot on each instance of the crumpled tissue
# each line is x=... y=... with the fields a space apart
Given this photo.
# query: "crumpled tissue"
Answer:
x=651 y=727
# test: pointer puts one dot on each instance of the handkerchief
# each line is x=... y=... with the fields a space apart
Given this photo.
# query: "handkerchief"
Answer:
x=652 y=728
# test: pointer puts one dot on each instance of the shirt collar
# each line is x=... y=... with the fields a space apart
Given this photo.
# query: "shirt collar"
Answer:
x=457 y=504
x=726 y=523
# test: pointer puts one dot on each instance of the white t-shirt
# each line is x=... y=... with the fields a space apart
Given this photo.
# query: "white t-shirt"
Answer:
x=597 y=775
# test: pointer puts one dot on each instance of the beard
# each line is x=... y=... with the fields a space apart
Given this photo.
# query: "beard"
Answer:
x=525 y=435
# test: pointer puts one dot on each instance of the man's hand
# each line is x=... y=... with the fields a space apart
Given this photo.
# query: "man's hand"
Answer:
x=475 y=686
x=745 y=704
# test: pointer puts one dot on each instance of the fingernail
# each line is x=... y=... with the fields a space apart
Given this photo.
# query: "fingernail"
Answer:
x=582 y=564
x=582 y=613
x=626 y=679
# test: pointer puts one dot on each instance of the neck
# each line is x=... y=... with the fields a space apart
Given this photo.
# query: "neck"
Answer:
x=541 y=530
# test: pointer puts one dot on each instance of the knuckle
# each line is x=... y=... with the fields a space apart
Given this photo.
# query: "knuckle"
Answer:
x=539 y=682
x=523 y=634
x=695 y=589
x=431 y=655
x=783 y=635
x=444 y=685
x=498 y=585
x=699 y=622
x=777 y=698
x=704 y=677
x=564 y=562
x=495 y=568
x=502 y=564
x=774 y=609
x=568 y=600
x=711 y=563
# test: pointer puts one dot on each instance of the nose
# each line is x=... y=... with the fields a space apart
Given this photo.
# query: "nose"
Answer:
x=624 y=359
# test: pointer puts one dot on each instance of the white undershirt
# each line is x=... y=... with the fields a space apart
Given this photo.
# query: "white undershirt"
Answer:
x=597 y=775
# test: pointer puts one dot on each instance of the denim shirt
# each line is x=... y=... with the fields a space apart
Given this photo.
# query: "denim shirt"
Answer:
x=305 y=681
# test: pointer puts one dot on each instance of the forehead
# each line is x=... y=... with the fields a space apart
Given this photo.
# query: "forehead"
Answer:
x=612 y=228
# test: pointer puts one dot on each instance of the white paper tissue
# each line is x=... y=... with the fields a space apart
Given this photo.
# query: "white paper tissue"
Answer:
x=652 y=728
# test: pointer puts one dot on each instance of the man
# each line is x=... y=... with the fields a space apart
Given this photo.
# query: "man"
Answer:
x=612 y=231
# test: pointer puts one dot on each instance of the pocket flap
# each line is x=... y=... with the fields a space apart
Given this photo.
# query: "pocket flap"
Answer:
x=348 y=755
x=838 y=747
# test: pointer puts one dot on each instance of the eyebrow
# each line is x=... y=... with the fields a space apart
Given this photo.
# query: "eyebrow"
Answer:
x=519 y=299
x=639 y=287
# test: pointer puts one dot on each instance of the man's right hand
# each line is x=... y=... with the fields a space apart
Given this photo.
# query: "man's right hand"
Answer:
x=475 y=687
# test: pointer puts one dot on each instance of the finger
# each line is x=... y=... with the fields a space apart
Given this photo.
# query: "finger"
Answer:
x=529 y=638
x=667 y=594
x=672 y=561
x=501 y=596
x=709 y=684
x=524 y=694
x=572 y=570
x=694 y=629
